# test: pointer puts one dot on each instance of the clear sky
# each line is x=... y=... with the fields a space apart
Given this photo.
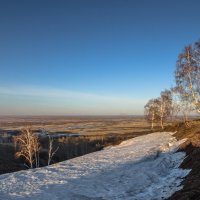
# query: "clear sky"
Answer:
x=90 y=56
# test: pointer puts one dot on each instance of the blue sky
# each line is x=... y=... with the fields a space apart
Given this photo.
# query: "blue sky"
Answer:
x=92 y=56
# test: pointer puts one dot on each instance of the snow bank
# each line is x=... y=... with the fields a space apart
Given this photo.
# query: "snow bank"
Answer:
x=145 y=167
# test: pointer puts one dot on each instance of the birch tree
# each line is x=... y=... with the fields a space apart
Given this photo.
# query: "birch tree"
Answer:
x=186 y=109
x=188 y=74
x=28 y=147
x=176 y=105
x=164 y=104
x=51 y=150
x=150 y=111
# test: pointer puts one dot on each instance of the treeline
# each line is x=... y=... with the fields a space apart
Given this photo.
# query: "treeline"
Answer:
x=184 y=97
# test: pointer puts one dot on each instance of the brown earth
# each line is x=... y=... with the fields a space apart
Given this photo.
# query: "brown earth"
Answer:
x=82 y=125
x=191 y=184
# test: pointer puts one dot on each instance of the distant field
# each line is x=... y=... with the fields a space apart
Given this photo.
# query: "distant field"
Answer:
x=84 y=125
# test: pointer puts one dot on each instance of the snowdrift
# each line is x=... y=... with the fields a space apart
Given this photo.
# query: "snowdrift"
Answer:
x=144 y=167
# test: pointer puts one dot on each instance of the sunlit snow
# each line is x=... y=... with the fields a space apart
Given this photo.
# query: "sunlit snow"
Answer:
x=144 y=167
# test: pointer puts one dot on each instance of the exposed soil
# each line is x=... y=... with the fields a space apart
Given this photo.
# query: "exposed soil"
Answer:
x=191 y=130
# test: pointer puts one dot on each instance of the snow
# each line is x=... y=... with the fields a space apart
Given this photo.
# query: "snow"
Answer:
x=144 y=167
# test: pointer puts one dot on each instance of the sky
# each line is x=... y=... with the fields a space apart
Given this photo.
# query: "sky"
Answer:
x=90 y=57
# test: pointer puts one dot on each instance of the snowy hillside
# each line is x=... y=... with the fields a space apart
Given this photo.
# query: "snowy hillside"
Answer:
x=145 y=167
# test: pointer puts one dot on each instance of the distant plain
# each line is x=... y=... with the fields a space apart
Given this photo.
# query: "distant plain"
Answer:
x=82 y=125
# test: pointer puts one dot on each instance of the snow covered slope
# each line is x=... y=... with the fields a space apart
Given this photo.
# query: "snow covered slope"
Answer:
x=142 y=168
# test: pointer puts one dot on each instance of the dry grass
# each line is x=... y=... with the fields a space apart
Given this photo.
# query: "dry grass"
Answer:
x=81 y=125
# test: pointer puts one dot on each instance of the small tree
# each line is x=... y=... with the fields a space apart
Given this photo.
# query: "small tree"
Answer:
x=184 y=104
x=176 y=106
x=164 y=104
x=151 y=111
x=28 y=147
x=51 y=150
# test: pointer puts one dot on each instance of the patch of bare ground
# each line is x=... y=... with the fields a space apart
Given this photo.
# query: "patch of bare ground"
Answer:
x=191 y=184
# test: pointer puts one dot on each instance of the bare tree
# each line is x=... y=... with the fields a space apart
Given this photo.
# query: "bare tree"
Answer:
x=28 y=147
x=175 y=110
x=184 y=105
x=51 y=150
x=188 y=74
x=151 y=111
x=186 y=109
x=176 y=106
x=164 y=104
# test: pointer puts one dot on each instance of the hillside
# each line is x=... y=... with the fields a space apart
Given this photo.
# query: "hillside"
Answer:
x=191 y=189
x=144 y=167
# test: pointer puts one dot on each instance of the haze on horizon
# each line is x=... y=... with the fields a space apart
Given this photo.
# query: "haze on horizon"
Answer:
x=90 y=57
